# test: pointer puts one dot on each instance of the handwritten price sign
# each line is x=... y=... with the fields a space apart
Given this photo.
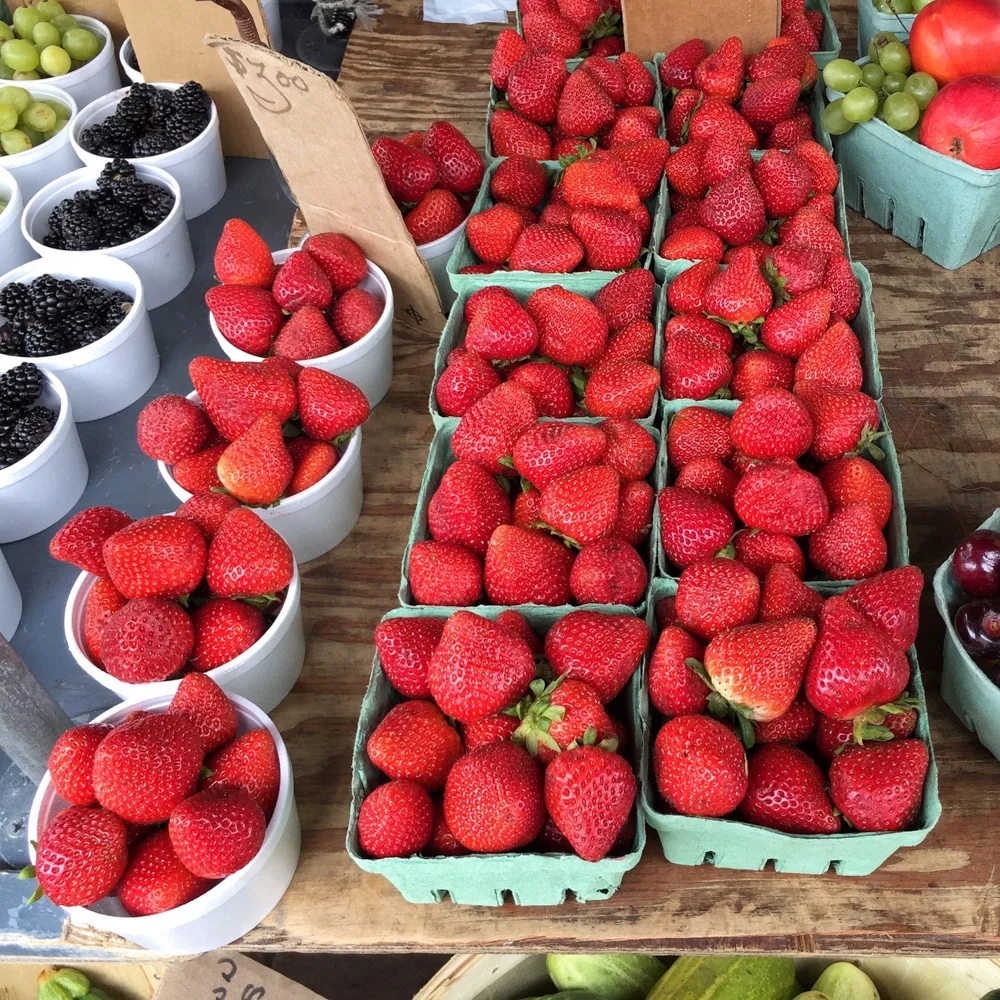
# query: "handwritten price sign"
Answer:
x=228 y=976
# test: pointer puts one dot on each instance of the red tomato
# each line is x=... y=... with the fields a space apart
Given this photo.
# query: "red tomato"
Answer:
x=956 y=38
x=963 y=120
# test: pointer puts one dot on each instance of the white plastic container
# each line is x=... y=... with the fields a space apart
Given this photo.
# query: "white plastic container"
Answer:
x=367 y=363
x=100 y=75
x=36 y=167
x=197 y=166
x=124 y=54
x=113 y=372
x=230 y=908
x=436 y=253
x=10 y=601
x=264 y=674
x=14 y=249
x=162 y=258
x=44 y=486
x=272 y=14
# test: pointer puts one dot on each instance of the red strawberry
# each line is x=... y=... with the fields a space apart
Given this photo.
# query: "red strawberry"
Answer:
x=780 y=61
x=546 y=249
x=405 y=646
x=396 y=820
x=536 y=80
x=796 y=25
x=247 y=317
x=519 y=180
x=686 y=293
x=794 y=326
x=784 y=182
x=891 y=601
x=792 y=727
x=408 y=173
x=460 y=167
x=207 y=511
x=197 y=473
x=558 y=715
x=155 y=880
x=224 y=629
x=582 y=505
x=759 y=371
x=760 y=550
x=204 y=704
x=342 y=260
x=665 y=610
x=501 y=330
x=721 y=73
x=822 y=167
x=549 y=450
x=643 y=161
x=102 y=602
x=769 y=101
x=635 y=342
x=248 y=558
x=235 y=394
x=434 y=216
x=789 y=133
x=631 y=450
x=598 y=181
x=300 y=281
x=677 y=69
x=306 y=335
x=739 y=294
x=784 y=595
x=583 y=13
x=526 y=567
x=149 y=639
x=487 y=432
x=493 y=232
x=155 y=557
x=708 y=477
x=635 y=513
x=845 y=421
x=572 y=330
x=684 y=170
x=608 y=75
x=723 y=155
x=734 y=209
x=608 y=571
x=465 y=381
x=809 y=228
x=631 y=125
x=217 y=832
x=880 y=787
x=677 y=123
x=832 y=360
x=674 y=688
x=793 y=270
x=256 y=468
x=693 y=368
x=771 y=424
x=714 y=595
x=844 y=287
x=496 y=728
x=716 y=115
x=415 y=741
x=833 y=736
x=621 y=389
x=443 y=573
x=329 y=405
x=700 y=766
x=556 y=214
x=313 y=461
x=549 y=387
x=80 y=541
x=515 y=622
x=585 y=107
x=71 y=763
x=170 y=428
x=781 y=497
x=242 y=256
x=787 y=791
x=850 y=546
x=692 y=243
x=692 y=527
x=512 y=135
x=697 y=432
x=509 y=48
x=467 y=506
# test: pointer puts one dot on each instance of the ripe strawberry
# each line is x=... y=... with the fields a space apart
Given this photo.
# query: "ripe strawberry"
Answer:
x=583 y=13
x=684 y=170
x=700 y=766
x=405 y=646
x=635 y=513
x=844 y=287
x=850 y=546
x=460 y=167
x=572 y=330
x=465 y=381
x=779 y=61
x=207 y=511
x=796 y=26
x=760 y=550
x=197 y=473
x=714 y=595
x=102 y=602
x=155 y=557
x=734 y=209
x=721 y=73
x=247 y=317
x=643 y=161
x=515 y=622
x=547 y=451
x=879 y=787
x=677 y=69
x=467 y=506
x=582 y=505
x=635 y=342
x=686 y=293
x=584 y=106
x=395 y=820
x=487 y=432
x=769 y=101
x=557 y=715
x=536 y=80
x=548 y=385
x=787 y=791
x=526 y=567
x=694 y=368
x=792 y=727
x=496 y=728
x=306 y=335
x=80 y=857
x=256 y=468
x=759 y=371
x=891 y=601
x=155 y=880
x=216 y=832
x=791 y=328
x=608 y=571
x=772 y=424
x=204 y=704
x=665 y=611
x=80 y=541
x=493 y=232
x=621 y=389
x=878 y=724
x=443 y=573
x=739 y=294
x=784 y=182
x=723 y=155
x=793 y=270
x=512 y=135
x=501 y=330
x=242 y=256
x=821 y=166
x=546 y=249
x=598 y=181
x=482 y=301
x=708 y=477
x=716 y=115
x=844 y=420
x=329 y=405
x=697 y=432
x=692 y=527
x=811 y=229
x=693 y=243
x=631 y=125
x=149 y=639
x=248 y=558
x=603 y=650
x=789 y=133
x=784 y=595
x=519 y=180
x=509 y=48
x=170 y=428
x=224 y=629
x=832 y=360
x=631 y=449
x=674 y=688
x=781 y=497
x=300 y=281
x=678 y=120
x=235 y=394
x=415 y=741
x=71 y=763
x=608 y=75
x=434 y=216
x=408 y=173
x=341 y=259
x=313 y=462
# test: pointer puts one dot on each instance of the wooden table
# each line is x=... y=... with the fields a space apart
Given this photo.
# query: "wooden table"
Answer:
x=939 y=345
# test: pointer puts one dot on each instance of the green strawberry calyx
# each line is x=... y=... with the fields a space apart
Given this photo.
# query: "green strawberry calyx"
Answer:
x=869 y=725
x=867 y=444
x=721 y=708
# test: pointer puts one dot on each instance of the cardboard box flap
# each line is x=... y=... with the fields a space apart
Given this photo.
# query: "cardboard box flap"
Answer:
x=228 y=976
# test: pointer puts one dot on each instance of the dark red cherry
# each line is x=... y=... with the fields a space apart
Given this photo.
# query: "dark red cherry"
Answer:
x=978 y=626
x=976 y=564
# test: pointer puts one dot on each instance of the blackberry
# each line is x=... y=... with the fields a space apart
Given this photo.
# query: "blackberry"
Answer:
x=112 y=172
x=191 y=99
x=152 y=144
x=129 y=190
x=41 y=341
x=22 y=385
x=52 y=298
x=11 y=341
x=15 y=300
x=161 y=103
x=31 y=429
x=77 y=229
x=159 y=202
x=131 y=115
x=118 y=307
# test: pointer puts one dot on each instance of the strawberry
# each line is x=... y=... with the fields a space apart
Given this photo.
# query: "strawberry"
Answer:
x=678 y=67
x=493 y=232
x=204 y=704
x=784 y=595
x=155 y=557
x=582 y=505
x=692 y=527
x=415 y=741
x=844 y=420
x=329 y=405
x=395 y=820
x=102 y=602
x=443 y=573
x=608 y=75
x=571 y=329
x=515 y=622
x=342 y=260
x=697 y=432
x=526 y=567
x=700 y=766
x=811 y=229
x=891 y=601
x=797 y=27
x=300 y=281
x=734 y=209
x=548 y=29
x=621 y=389
x=487 y=432
x=247 y=317
x=80 y=541
x=405 y=646
x=434 y=216
x=207 y=511
x=844 y=287
x=224 y=629
x=235 y=394
x=787 y=791
x=693 y=243
x=155 y=880
x=603 y=650
x=769 y=101
x=631 y=449
x=242 y=256
x=779 y=61
x=739 y=294
x=460 y=167
x=608 y=571
x=548 y=385
x=80 y=857
x=599 y=181
x=784 y=182
x=197 y=474
x=408 y=173
x=850 y=545
x=306 y=335
x=557 y=214
x=556 y=716
x=781 y=497
x=674 y=688
x=483 y=300
x=643 y=162
x=793 y=270
x=635 y=513
x=550 y=450
x=512 y=135
x=546 y=249
x=833 y=736
x=509 y=48
x=686 y=293
x=631 y=125
x=789 y=133
x=723 y=155
x=316 y=461
x=496 y=728
x=216 y=832
x=170 y=428
x=71 y=762
x=822 y=167
x=791 y=328
x=694 y=368
x=635 y=342
x=535 y=82
x=146 y=766
x=759 y=371
x=721 y=73
x=760 y=550
x=708 y=477
x=771 y=424
x=880 y=787
x=665 y=611
x=519 y=180
x=684 y=170
x=256 y=468
x=355 y=313
x=716 y=115
x=714 y=595
x=248 y=558
x=467 y=506
x=678 y=120
x=463 y=383
x=585 y=107
x=149 y=639
x=583 y=13
x=791 y=727
x=832 y=360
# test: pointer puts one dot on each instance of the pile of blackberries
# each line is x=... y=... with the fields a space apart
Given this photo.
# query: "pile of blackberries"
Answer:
x=123 y=208
x=149 y=121
x=56 y=315
x=23 y=426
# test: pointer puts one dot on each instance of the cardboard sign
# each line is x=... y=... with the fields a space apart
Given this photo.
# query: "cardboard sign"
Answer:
x=653 y=26
x=168 y=38
x=106 y=11
x=314 y=134
x=228 y=976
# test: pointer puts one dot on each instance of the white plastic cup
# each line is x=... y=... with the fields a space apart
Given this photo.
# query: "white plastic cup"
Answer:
x=14 y=249
x=10 y=601
x=230 y=908
x=367 y=362
x=124 y=54
x=263 y=674
x=43 y=487
x=113 y=372
x=100 y=75
x=36 y=167
x=436 y=254
x=317 y=519
x=162 y=258
x=197 y=166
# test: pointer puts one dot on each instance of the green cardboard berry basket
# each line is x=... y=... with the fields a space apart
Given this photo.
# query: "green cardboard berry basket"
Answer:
x=730 y=843
x=528 y=878
x=895 y=530
x=968 y=692
x=453 y=334
x=872 y=21
x=887 y=177
x=439 y=458
x=830 y=39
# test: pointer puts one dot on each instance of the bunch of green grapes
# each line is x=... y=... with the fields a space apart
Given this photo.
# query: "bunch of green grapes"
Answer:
x=25 y=122
x=900 y=6
x=885 y=88
x=44 y=41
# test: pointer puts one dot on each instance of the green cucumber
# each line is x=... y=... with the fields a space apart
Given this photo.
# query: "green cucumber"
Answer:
x=570 y=995
x=843 y=981
x=739 y=978
x=614 y=977
x=812 y=995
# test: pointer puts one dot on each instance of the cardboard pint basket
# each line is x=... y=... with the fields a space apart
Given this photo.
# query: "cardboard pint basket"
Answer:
x=528 y=877
x=968 y=692
x=731 y=843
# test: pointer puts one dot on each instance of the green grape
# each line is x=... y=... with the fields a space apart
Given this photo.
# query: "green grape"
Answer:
x=55 y=61
x=833 y=118
x=878 y=42
x=25 y=19
x=18 y=97
x=64 y=23
x=60 y=124
x=913 y=133
x=36 y=137
x=895 y=58
x=860 y=104
x=6 y=73
x=62 y=112
x=893 y=83
x=18 y=54
x=13 y=142
x=50 y=9
x=39 y=117
x=901 y=111
x=45 y=34
x=921 y=87
x=6 y=31
x=894 y=6
x=8 y=117
x=25 y=75
x=81 y=44
x=842 y=75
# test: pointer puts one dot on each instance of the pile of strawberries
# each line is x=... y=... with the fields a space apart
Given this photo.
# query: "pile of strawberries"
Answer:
x=175 y=594
x=261 y=431
x=433 y=176
x=534 y=763
x=308 y=307
x=573 y=355
x=816 y=687
x=161 y=806
x=569 y=27
x=801 y=25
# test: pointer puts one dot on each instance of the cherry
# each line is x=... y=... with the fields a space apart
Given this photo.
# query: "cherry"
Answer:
x=978 y=626
x=976 y=564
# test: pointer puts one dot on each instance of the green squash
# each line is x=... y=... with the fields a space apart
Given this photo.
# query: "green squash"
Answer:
x=613 y=977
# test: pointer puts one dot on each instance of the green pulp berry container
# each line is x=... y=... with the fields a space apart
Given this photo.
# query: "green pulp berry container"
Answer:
x=895 y=530
x=526 y=877
x=730 y=843
x=872 y=21
x=830 y=40
x=968 y=692
x=453 y=334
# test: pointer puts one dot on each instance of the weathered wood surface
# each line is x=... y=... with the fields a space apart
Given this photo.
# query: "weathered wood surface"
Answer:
x=939 y=348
